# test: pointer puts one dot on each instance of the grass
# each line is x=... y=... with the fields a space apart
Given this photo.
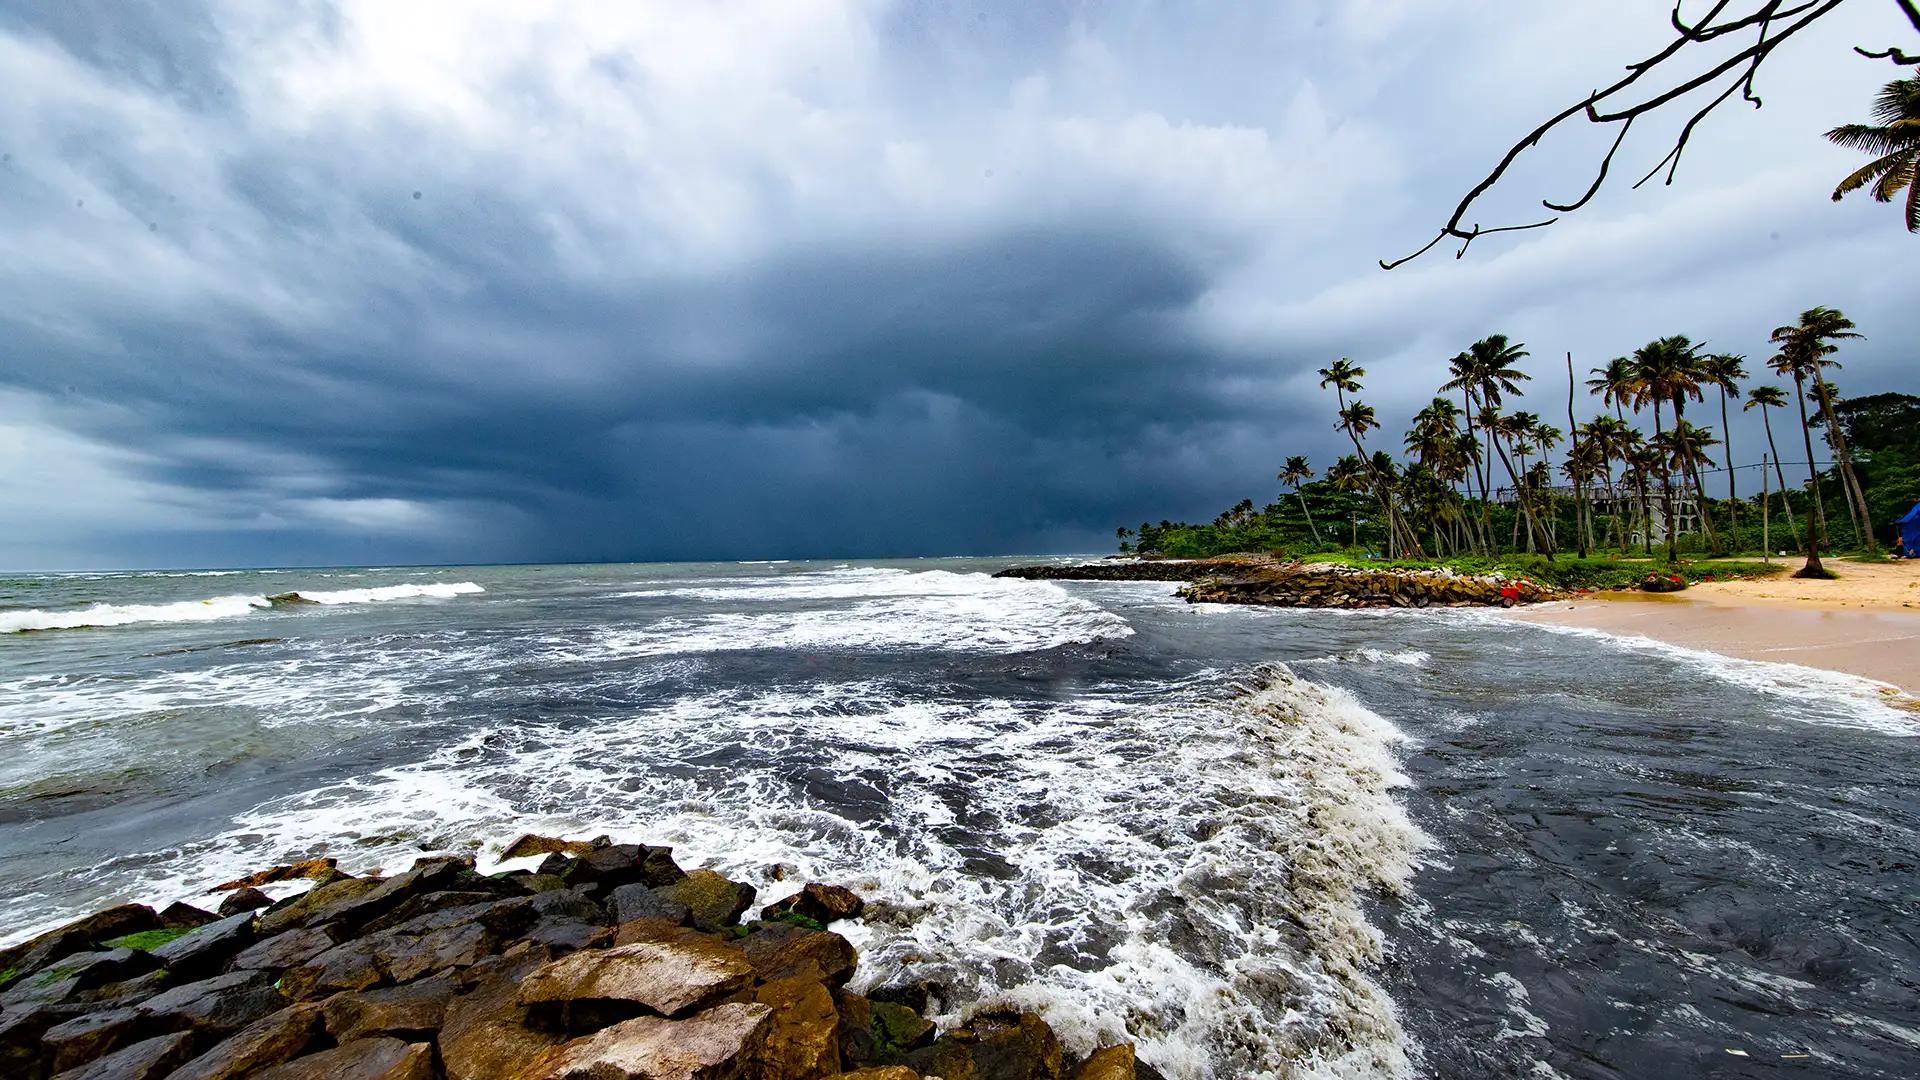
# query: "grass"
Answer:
x=148 y=940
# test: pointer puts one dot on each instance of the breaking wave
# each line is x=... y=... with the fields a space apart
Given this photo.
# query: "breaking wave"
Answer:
x=217 y=607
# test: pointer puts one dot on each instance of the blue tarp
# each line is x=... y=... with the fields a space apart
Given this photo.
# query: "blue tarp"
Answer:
x=1910 y=530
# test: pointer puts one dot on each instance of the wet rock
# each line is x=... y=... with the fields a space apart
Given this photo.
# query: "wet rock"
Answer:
x=782 y=950
x=308 y=868
x=80 y=935
x=712 y=898
x=23 y=1053
x=918 y=995
x=285 y=950
x=438 y=873
x=427 y=904
x=70 y=977
x=669 y=977
x=270 y=1040
x=898 y=1029
x=416 y=1009
x=486 y=1035
x=207 y=948
x=362 y=1059
x=821 y=903
x=619 y=864
x=534 y=844
x=84 y=1038
x=1107 y=1063
x=179 y=916
x=457 y=946
x=352 y=965
x=129 y=991
x=881 y=1072
x=994 y=1046
x=149 y=1059
x=801 y=1041
x=854 y=1032
x=222 y=1004
x=640 y=901
x=297 y=910
x=248 y=899
x=718 y=1044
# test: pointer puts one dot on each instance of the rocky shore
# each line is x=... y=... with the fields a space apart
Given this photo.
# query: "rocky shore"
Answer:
x=1317 y=585
x=607 y=962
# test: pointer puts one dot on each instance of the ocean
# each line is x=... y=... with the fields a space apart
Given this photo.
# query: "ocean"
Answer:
x=1260 y=842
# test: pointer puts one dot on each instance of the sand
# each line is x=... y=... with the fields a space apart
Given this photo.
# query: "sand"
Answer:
x=1867 y=623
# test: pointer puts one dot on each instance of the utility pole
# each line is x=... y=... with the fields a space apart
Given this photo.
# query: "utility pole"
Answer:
x=1766 y=505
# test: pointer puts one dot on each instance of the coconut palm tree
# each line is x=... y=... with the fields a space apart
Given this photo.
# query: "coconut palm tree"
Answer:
x=1295 y=472
x=1356 y=420
x=1349 y=475
x=1814 y=335
x=1724 y=372
x=1604 y=434
x=1433 y=440
x=1688 y=446
x=1791 y=361
x=1666 y=371
x=1894 y=140
x=1766 y=399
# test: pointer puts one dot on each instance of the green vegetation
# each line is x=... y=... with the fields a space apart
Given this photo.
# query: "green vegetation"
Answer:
x=8 y=976
x=148 y=940
x=1591 y=573
x=1894 y=141
x=1477 y=484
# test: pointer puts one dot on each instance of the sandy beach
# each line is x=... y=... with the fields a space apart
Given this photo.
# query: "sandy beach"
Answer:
x=1865 y=623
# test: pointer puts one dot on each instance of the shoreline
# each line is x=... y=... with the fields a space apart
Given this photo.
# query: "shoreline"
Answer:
x=1867 y=623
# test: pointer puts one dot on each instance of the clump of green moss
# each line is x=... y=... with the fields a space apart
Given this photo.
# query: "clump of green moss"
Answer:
x=148 y=940
x=7 y=977
x=796 y=919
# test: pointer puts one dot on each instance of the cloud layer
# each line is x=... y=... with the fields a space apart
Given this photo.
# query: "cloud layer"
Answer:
x=342 y=282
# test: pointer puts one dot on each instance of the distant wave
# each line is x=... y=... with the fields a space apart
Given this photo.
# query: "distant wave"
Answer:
x=216 y=607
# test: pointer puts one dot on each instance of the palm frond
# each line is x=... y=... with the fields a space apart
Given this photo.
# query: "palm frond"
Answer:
x=1866 y=138
x=1866 y=174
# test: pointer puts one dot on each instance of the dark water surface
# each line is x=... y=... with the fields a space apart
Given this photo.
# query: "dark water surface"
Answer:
x=1433 y=844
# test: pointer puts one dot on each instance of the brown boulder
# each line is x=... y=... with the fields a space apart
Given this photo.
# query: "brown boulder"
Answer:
x=485 y=1036
x=183 y=916
x=248 y=899
x=270 y=1040
x=414 y=1009
x=285 y=950
x=222 y=1004
x=1107 y=1063
x=821 y=903
x=994 y=1046
x=208 y=947
x=84 y=1038
x=713 y=899
x=782 y=950
x=292 y=913
x=362 y=1059
x=667 y=977
x=354 y=965
x=80 y=935
x=719 y=1044
x=150 y=1059
x=308 y=868
x=801 y=1042
x=535 y=844
x=883 y=1072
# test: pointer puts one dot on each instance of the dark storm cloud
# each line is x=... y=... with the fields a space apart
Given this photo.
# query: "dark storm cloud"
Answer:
x=361 y=282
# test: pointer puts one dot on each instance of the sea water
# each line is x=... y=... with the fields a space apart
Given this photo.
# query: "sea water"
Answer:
x=1258 y=842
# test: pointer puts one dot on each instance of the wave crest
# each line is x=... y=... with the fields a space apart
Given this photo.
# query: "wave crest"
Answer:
x=215 y=607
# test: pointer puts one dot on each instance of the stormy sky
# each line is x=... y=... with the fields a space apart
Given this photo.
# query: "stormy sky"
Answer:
x=352 y=282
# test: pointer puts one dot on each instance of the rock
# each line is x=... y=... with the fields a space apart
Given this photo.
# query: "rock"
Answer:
x=130 y=991
x=917 y=995
x=362 y=1059
x=23 y=1053
x=352 y=965
x=801 y=1041
x=246 y=899
x=309 y=868
x=462 y=945
x=149 y=1059
x=669 y=977
x=883 y=1072
x=898 y=1029
x=782 y=950
x=427 y=904
x=717 y=1044
x=535 y=844
x=437 y=873
x=714 y=900
x=485 y=1036
x=619 y=864
x=222 y=1004
x=207 y=948
x=293 y=912
x=821 y=903
x=1107 y=1063
x=416 y=1009
x=855 y=1030
x=285 y=950
x=80 y=935
x=179 y=916
x=84 y=1038
x=270 y=1040
x=639 y=900
x=994 y=1046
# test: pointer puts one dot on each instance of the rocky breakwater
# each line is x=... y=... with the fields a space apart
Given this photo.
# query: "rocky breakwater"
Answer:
x=607 y=962
x=1314 y=585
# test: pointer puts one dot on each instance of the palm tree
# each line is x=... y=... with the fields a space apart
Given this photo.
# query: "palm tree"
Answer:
x=1356 y=420
x=1894 y=140
x=1790 y=361
x=1724 y=371
x=1688 y=446
x=1614 y=384
x=1667 y=371
x=1606 y=435
x=1434 y=442
x=1292 y=474
x=1349 y=475
x=1813 y=336
x=1766 y=399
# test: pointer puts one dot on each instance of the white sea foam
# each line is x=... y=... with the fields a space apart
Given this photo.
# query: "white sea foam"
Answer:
x=1191 y=870
x=1370 y=655
x=216 y=607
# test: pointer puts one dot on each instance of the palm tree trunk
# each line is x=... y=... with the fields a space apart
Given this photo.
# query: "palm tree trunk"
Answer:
x=1309 y=514
x=1815 y=536
x=1839 y=439
x=1792 y=530
x=1583 y=525
x=1666 y=481
x=1733 y=498
x=1700 y=501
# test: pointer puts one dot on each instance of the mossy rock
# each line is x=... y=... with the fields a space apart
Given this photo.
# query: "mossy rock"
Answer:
x=148 y=940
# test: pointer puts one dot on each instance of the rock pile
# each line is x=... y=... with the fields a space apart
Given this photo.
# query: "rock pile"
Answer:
x=1329 y=585
x=607 y=962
